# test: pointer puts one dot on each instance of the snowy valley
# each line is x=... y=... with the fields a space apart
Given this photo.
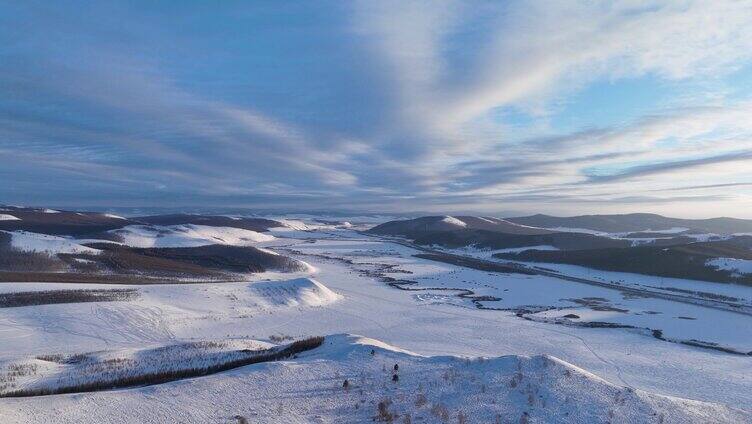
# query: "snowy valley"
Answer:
x=409 y=335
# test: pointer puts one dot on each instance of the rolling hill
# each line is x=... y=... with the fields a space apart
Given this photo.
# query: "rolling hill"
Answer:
x=636 y=222
x=694 y=261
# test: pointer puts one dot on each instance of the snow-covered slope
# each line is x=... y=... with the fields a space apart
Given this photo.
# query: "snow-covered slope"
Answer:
x=298 y=292
x=54 y=371
x=453 y=221
x=33 y=242
x=311 y=389
x=187 y=235
x=295 y=224
x=7 y=217
x=736 y=266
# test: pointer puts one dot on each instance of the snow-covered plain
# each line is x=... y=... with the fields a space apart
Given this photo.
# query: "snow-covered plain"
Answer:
x=740 y=292
x=161 y=313
x=346 y=295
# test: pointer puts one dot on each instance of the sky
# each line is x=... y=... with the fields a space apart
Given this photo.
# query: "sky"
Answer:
x=494 y=107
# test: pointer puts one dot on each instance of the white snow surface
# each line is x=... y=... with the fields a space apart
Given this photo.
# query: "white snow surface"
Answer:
x=484 y=253
x=188 y=235
x=704 y=237
x=640 y=378
x=522 y=249
x=738 y=267
x=672 y=230
x=579 y=230
x=297 y=292
x=34 y=242
x=309 y=389
x=488 y=220
x=454 y=221
x=109 y=215
x=295 y=224
x=6 y=217
x=55 y=371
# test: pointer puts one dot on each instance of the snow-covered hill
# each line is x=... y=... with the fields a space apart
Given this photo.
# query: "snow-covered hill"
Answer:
x=187 y=235
x=298 y=292
x=43 y=243
x=352 y=379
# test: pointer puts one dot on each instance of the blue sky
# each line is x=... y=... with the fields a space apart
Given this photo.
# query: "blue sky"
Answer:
x=559 y=107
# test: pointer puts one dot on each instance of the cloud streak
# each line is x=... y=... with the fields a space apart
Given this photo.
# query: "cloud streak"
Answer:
x=375 y=105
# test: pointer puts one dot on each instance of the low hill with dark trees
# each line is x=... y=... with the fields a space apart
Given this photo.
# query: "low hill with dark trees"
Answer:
x=636 y=222
x=432 y=224
x=17 y=261
x=686 y=261
x=96 y=225
x=45 y=221
x=494 y=240
x=212 y=261
x=494 y=233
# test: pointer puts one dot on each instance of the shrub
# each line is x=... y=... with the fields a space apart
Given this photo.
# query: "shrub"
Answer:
x=383 y=414
x=47 y=297
x=461 y=418
x=440 y=411
x=420 y=400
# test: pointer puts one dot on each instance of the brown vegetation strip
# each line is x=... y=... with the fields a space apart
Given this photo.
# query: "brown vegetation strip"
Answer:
x=48 y=297
x=80 y=278
x=149 y=379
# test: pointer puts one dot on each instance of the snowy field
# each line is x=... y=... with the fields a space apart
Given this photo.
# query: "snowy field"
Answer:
x=311 y=389
x=741 y=293
x=588 y=375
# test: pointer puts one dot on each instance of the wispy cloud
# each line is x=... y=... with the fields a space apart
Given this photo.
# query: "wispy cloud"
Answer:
x=386 y=105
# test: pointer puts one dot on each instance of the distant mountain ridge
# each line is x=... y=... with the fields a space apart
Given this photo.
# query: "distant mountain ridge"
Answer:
x=636 y=222
x=439 y=223
x=488 y=232
x=59 y=222
x=79 y=223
